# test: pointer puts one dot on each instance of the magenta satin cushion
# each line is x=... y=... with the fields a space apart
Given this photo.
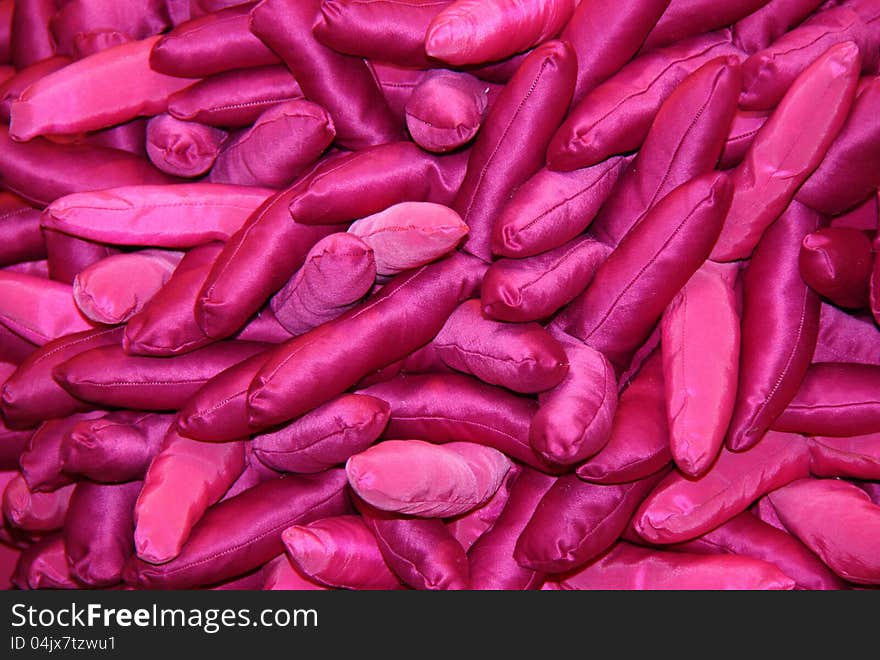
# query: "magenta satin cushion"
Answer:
x=761 y=28
x=446 y=110
x=856 y=457
x=535 y=288
x=845 y=337
x=550 y=208
x=638 y=443
x=68 y=255
x=522 y=357
x=35 y=511
x=44 y=566
x=685 y=18
x=421 y=551
x=836 y=262
x=102 y=297
x=338 y=272
x=211 y=44
x=616 y=116
x=685 y=141
x=31 y=395
x=283 y=141
x=182 y=481
x=780 y=325
x=78 y=20
x=769 y=73
x=341 y=84
x=99 y=546
x=409 y=235
x=788 y=148
x=41 y=171
x=512 y=142
x=680 y=509
x=749 y=536
x=632 y=288
x=454 y=407
x=385 y=30
x=280 y=574
x=629 y=566
x=56 y=103
x=421 y=479
x=492 y=563
x=469 y=527
x=875 y=284
x=325 y=436
x=848 y=175
x=12 y=444
x=236 y=98
x=479 y=31
x=312 y=368
x=12 y=88
x=397 y=84
x=340 y=552
x=700 y=334
x=108 y=376
x=354 y=185
x=182 y=148
x=573 y=420
x=6 y=8
x=177 y=216
x=20 y=237
x=834 y=398
x=115 y=448
x=743 y=129
x=243 y=532
x=31 y=38
x=837 y=521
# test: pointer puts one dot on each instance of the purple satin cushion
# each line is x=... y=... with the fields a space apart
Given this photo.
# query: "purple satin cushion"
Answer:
x=236 y=98
x=31 y=38
x=34 y=511
x=836 y=262
x=325 y=436
x=845 y=337
x=686 y=18
x=446 y=110
x=68 y=255
x=182 y=148
x=20 y=237
x=680 y=509
x=761 y=28
x=512 y=142
x=283 y=141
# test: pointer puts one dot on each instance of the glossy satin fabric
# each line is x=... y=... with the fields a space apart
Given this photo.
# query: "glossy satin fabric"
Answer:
x=846 y=338
x=478 y=31
x=210 y=44
x=31 y=39
x=182 y=481
x=454 y=407
x=856 y=457
x=686 y=18
x=338 y=272
x=409 y=235
x=341 y=84
x=280 y=574
x=761 y=28
x=875 y=284
x=511 y=144
x=837 y=521
x=386 y=30
x=616 y=116
x=573 y=420
x=680 y=509
x=12 y=443
x=404 y=315
x=34 y=511
x=469 y=527
x=108 y=376
x=115 y=448
x=283 y=141
x=631 y=289
x=98 y=292
x=421 y=551
x=780 y=325
x=685 y=141
x=535 y=288
x=834 y=398
x=182 y=148
x=446 y=110
x=98 y=531
x=628 y=566
x=550 y=208
x=354 y=185
x=244 y=532
x=340 y=552
x=31 y=395
x=848 y=174
x=179 y=216
x=20 y=238
x=6 y=7
x=522 y=357
x=700 y=338
x=417 y=478
x=638 y=442
x=81 y=20
x=235 y=98
x=743 y=129
x=12 y=88
x=325 y=436
x=67 y=255
x=836 y=263
x=747 y=535
x=70 y=100
x=44 y=566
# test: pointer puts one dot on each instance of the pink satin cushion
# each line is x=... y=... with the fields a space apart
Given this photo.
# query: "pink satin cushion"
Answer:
x=856 y=457
x=758 y=30
x=182 y=148
x=34 y=511
x=836 y=262
x=685 y=18
x=446 y=110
